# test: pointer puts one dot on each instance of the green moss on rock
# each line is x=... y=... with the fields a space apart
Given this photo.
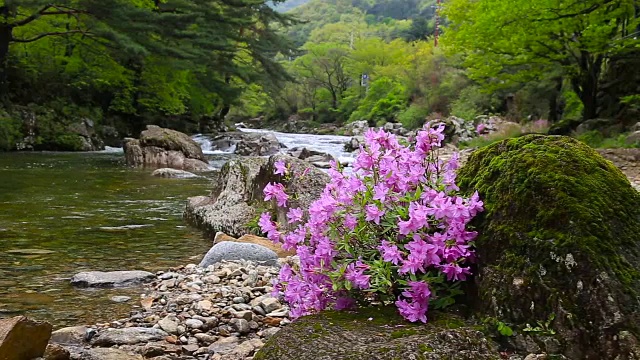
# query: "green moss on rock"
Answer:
x=377 y=333
x=560 y=235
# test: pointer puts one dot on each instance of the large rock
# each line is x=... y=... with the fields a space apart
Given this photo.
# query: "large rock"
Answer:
x=633 y=138
x=159 y=148
x=22 y=338
x=228 y=250
x=247 y=143
x=558 y=245
x=356 y=128
x=253 y=239
x=102 y=279
x=258 y=144
x=127 y=336
x=237 y=198
x=376 y=335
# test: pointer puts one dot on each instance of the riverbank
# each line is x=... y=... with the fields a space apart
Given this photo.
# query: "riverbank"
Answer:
x=224 y=311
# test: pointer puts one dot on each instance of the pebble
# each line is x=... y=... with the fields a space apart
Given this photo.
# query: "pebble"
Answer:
x=120 y=299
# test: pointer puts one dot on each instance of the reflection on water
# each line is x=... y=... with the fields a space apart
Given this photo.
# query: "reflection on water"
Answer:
x=63 y=213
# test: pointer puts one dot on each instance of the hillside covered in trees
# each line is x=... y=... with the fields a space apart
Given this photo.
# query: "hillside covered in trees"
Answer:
x=193 y=65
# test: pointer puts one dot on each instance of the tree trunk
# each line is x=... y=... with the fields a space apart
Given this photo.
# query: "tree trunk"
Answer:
x=555 y=110
x=5 y=38
x=588 y=85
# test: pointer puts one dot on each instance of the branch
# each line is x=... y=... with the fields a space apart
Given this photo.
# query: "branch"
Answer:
x=33 y=16
x=61 y=33
x=60 y=10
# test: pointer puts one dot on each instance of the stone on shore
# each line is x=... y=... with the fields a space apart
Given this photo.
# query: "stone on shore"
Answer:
x=253 y=239
x=228 y=250
x=173 y=173
x=22 y=338
x=74 y=335
x=102 y=279
x=128 y=336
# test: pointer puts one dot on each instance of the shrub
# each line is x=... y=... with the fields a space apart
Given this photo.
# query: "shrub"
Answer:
x=414 y=116
x=9 y=132
x=394 y=230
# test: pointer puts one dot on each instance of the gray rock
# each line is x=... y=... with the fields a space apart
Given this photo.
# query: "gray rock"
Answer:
x=160 y=147
x=240 y=325
x=354 y=143
x=258 y=144
x=169 y=324
x=110 y=279
x=269 y=332
x=128 y=336
x=108 y=354
x=228 y=250
x=633 y=138
x=238 y=191
x=74 y=335
x=270 y=304
x=120 y=299
x=357 y=128
x=194 y=323
x=224 y=345
x=173 y=173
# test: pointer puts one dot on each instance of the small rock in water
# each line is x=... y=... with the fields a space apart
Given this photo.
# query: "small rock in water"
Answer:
x=120 y=299
x=30 y=251
x=109 y=279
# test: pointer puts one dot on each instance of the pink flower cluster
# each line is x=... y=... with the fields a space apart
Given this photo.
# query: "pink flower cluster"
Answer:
x=388 y=228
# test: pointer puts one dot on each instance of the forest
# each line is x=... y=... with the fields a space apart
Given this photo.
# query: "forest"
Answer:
x=194 y=65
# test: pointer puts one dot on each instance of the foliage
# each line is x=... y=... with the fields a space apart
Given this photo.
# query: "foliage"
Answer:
x=393 y=231
x=506 y=43
x=138 y=59
x=9 y=131
x=597 y=140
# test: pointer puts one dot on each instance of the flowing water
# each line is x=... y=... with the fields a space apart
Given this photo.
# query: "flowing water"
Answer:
x=63 y=213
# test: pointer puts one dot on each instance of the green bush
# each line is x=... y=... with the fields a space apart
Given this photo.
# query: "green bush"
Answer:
x=9 y=132
x=384 y=100
x=596 y=140
x=414 y=116
x=67 y=142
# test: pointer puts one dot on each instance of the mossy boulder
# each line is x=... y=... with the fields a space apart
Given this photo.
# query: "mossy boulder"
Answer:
x=560 y=239
x=377 y=334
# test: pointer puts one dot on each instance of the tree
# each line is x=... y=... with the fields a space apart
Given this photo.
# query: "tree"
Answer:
x=522 y=40
x=324 y=65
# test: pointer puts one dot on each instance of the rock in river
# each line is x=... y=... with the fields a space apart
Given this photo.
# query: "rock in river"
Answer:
x=173 y=173
x=158 y=147
x=109 y=279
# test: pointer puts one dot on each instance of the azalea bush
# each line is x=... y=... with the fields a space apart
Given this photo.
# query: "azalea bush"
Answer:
x=392 y=230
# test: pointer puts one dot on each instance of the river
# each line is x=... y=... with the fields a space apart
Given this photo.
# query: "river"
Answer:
x=62 y=213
